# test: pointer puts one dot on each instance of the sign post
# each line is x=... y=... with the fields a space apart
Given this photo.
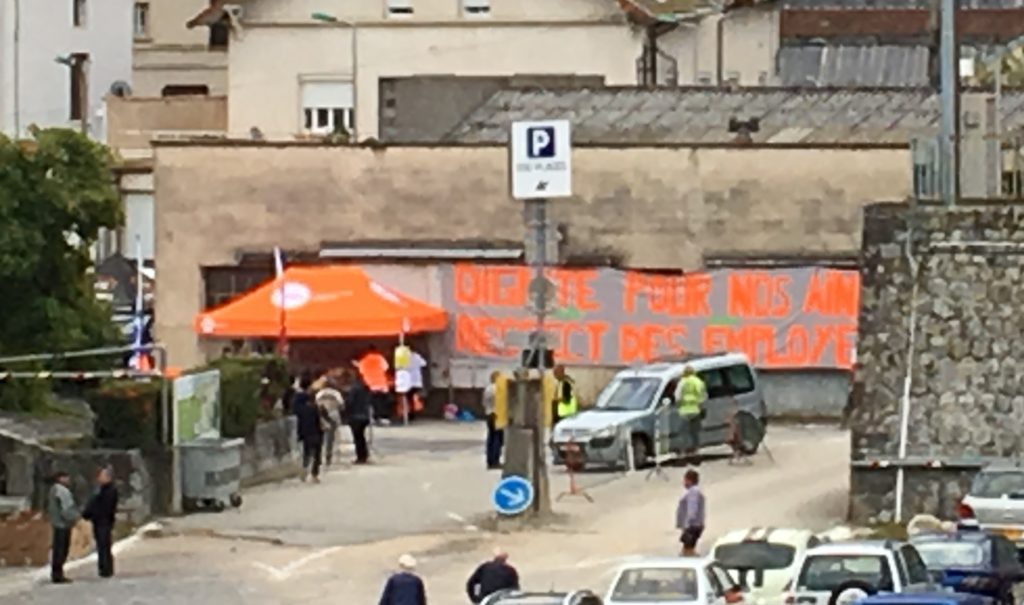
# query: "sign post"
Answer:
x=540 y=167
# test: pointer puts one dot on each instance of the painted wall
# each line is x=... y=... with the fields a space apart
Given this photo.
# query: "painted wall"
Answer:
x=173 y=54
x=749 y=39
x=656 y=207
x=46 y=31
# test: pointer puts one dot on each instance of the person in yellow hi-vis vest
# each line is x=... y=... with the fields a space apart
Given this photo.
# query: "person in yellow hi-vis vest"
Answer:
x=690 y=396
x=495 y=404
x=565 y=396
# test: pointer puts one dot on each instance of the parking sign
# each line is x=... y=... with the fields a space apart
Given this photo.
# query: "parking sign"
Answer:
x=540 y=155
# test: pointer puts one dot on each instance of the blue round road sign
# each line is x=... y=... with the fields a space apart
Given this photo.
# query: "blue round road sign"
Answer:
x=512 y=495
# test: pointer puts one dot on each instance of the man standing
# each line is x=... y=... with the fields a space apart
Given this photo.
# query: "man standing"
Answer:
x=63 y=516
x=310 y=429
x=565 y=395
x=374 y=370
x=101 y=512
x=690 y=396
x=330 y=402
x=495 y=435
x=492 y=576
x=690 y=513
x=405 y=587
x=358 y=408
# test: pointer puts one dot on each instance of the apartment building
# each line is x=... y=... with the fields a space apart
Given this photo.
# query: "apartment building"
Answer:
x=297 y=68
x=171 y=59
x=59 y=59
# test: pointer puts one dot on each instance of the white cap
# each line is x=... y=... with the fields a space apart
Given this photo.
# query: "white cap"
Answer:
x=407 y=561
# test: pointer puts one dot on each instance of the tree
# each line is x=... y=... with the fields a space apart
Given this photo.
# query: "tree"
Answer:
x=57 y=191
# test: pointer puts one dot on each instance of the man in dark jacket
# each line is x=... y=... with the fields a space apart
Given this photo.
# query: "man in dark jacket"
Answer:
x=405 y=587
x=358 y=412
x=310 y=428
x=491 y=577
x=101 y=511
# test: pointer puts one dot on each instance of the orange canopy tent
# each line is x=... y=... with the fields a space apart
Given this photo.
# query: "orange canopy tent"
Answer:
x=321 y=302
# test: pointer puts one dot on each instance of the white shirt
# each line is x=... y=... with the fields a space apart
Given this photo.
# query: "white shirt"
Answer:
x=416 y=365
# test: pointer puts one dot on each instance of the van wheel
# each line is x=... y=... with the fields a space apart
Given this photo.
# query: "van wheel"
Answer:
x=850 y=592
x=751 y=433
x=641 y=451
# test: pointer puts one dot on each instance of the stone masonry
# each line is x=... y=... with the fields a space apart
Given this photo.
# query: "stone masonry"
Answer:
x=965 y=362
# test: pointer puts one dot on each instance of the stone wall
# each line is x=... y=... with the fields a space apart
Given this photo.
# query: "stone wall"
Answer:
x=271 y=453
x=965 y=362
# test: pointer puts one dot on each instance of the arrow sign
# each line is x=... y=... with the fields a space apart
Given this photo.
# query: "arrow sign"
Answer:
x=512 y=495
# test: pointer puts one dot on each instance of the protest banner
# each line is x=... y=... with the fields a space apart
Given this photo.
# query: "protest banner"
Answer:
x=781 y=318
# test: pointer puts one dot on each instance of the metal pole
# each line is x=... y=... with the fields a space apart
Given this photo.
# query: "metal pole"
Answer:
x=355 y=81
x=997 y=120
x=948 y=76
x=539 y=224
x=17 y=69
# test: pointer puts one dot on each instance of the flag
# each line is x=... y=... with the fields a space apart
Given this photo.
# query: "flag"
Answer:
x=139 y=359
x=282 y=339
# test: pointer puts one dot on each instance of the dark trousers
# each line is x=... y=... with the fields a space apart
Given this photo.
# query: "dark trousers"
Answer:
x=104 y=542
x=358 y=428
x=495 y=443
x=311 y=449
x=59 y=552
x=381 y=405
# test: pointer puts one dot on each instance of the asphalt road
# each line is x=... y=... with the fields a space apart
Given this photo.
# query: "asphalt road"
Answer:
x=429 y=496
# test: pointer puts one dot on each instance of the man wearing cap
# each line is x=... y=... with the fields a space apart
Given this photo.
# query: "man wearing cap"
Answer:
x=493 y=576
x=404 y=587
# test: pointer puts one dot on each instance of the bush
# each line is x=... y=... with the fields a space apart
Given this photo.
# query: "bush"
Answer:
x=127 y=413
x=25 y=395
x=244 y=399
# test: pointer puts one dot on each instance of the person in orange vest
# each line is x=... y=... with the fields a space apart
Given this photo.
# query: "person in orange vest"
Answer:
x=373 y=368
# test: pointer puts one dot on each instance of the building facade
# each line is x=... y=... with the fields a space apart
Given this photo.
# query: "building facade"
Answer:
x=171 y=59
x=59 y=59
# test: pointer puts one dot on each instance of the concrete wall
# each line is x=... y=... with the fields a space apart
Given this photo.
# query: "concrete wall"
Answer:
x=966 y=363
x=172 y=54
x=271 y=453
x=656 y=207
x=132 y=122
x=749 y=40
x=41 y=92
x=810 y=395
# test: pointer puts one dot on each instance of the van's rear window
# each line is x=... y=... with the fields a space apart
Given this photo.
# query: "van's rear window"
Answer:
x=755 y=555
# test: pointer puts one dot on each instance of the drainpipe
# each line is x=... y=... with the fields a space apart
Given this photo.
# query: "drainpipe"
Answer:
x=913 y=264
x=652 y=54
x=17 y=70
x=719 y=48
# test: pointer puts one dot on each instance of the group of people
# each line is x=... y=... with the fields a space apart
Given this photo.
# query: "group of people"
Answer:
x=406 y=588
x=101 y=511
x=320 y=407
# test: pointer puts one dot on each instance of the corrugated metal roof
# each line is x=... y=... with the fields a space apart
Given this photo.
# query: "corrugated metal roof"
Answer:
x=895 y=4
x=692 y=115
x=890 y=66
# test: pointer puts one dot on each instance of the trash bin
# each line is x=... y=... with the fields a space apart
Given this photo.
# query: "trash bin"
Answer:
x=211 y=471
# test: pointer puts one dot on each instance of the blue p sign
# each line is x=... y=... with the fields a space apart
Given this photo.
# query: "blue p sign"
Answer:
x=540 y=142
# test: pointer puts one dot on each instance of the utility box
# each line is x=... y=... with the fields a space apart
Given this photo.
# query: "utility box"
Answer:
x=211 y=473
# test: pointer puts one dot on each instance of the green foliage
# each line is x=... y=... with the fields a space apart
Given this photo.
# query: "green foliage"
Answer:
x=127 y=413
x=245 y=400
x=24 y=395
x=56 y=192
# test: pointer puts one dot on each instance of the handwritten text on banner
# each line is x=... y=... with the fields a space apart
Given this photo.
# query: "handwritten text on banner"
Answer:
x=781 y=318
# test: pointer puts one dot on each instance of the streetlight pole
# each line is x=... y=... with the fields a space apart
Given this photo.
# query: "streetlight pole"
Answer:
x=354 y=52
x=948 y=82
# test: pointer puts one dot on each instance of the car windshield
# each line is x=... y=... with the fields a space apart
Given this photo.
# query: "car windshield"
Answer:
x=633 y=394
x=996 y=484
x=656 y=585
x=826 y=572
x=755 y=555
x=941 y=554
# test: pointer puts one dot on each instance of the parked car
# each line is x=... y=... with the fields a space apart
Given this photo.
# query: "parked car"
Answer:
x=637 y=400
x=996 y=502
x=973 y=561
x=845 y=572
x=927 y=598
x=515 y=597
x=673 y=581
x=763 y=560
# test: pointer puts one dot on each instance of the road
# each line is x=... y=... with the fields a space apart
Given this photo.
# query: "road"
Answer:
x=428 y=495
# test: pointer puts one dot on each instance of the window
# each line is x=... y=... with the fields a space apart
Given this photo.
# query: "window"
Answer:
x=184 y=90
x=724 y=578
x=476 y=7
x=654 y=585
x=220 y=34
x=941 y=554
x=823 y=573
x=627 y=394
x=399 y=8
x=996 y=484
x=141 y=24
x=78 y=13
x=756 y=556
x=714 y=380
x=328 y=107
x=740 y=379
x=79 y=85
x=917 y=573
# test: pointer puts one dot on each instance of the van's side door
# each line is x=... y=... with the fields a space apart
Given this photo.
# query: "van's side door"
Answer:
x=714 y=428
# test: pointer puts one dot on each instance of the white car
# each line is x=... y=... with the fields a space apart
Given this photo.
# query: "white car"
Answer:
x=673 y=581
x=763 y=559
x=845 y=572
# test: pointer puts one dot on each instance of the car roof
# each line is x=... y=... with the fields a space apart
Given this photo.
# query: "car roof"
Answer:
x=667 y=562
x=673 y=366
x=778 y=535
x=923 y=598
x=1002 y=466
x=959 y=536
x=874 y=547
